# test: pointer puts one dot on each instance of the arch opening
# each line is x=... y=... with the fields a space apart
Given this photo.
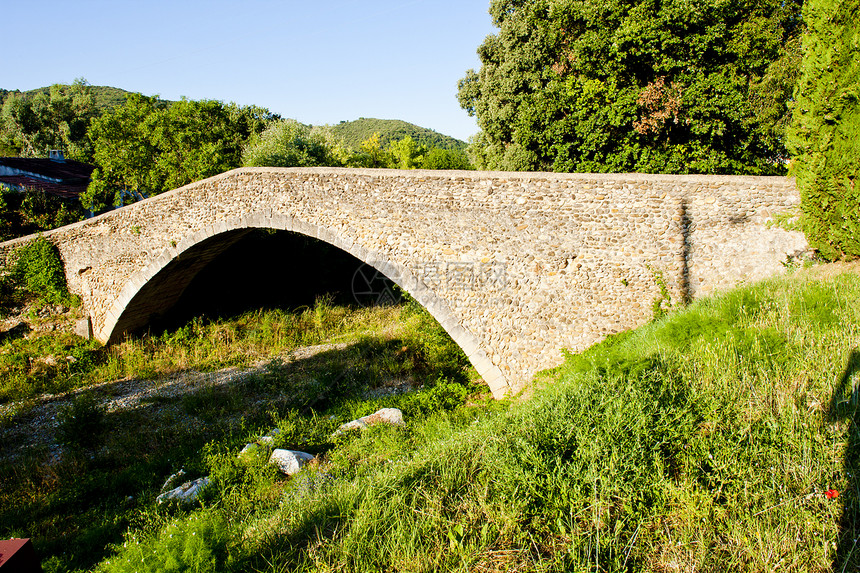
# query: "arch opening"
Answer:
x=262 y=269
x=150 y=292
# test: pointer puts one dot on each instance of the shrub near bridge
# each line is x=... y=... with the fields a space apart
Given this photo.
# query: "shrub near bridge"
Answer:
x=37 y=271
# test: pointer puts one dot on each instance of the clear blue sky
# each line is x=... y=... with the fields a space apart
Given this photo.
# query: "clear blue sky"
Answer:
x=318 y=62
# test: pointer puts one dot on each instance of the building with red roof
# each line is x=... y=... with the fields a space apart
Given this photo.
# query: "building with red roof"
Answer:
x=56 y=176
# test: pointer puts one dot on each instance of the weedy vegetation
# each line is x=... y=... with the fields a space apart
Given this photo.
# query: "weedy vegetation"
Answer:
x=719 y=437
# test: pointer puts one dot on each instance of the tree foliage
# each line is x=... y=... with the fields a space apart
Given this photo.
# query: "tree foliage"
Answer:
x=288 y=143
x=634 y=85
x=33 y=123
x=825 y=130
x=406 y=153
x=147 y=146
x=33 y=211
x=438 y=158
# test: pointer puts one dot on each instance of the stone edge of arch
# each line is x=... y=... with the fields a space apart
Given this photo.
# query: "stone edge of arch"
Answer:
x=437 y=307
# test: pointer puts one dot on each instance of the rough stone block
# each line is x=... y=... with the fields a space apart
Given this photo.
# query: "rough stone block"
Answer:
x=84 y=328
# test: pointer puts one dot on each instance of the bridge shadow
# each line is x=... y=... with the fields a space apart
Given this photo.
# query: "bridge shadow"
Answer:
x=686 y=223
x=845 y=406
x=259 y=269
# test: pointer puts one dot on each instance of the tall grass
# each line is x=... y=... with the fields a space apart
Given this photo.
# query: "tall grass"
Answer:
x=114 y=462
x=714 y=439
x=199 y=345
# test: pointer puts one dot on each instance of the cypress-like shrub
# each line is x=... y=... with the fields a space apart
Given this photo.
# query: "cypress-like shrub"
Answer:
x=825 y=133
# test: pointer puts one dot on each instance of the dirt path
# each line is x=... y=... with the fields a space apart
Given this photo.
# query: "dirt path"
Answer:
x=35 y=426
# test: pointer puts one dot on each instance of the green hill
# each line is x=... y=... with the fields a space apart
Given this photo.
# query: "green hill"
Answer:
x=354 y=132
x=106 y=97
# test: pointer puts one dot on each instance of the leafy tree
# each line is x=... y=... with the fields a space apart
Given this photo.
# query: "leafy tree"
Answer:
x=825 y=130
x=438 y=158
x=33 y=211
x=288 y=143
x=634 y=85
x=123 y=152
x=406 y=153
x=147 y=146
x=33 y=123
x=372 y=154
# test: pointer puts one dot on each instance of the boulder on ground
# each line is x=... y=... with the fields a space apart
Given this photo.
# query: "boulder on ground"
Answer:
x=391 y=416
x=289 y=462
x=186 y=493
x=84 y=328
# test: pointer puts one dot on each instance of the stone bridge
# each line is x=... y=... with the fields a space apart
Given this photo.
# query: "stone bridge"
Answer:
x=515 y=266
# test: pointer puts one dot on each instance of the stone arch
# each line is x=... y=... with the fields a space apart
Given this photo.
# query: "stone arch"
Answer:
x=159 y=284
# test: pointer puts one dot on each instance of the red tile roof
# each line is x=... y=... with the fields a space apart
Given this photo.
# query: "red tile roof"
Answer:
x=74 y=176
x=63 y=190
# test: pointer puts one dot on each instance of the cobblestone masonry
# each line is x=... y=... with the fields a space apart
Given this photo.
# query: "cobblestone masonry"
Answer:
x=515 y=266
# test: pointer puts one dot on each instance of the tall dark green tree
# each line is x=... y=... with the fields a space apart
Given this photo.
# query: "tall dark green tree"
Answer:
x=825 y=131
x=635 y=85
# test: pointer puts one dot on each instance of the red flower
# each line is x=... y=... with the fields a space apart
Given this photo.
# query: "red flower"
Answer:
x=831 y=494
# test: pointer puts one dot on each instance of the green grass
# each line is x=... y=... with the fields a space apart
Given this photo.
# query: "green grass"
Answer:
x=115 y=462
x=205 y=346
x=704 y=441
x=701 y=442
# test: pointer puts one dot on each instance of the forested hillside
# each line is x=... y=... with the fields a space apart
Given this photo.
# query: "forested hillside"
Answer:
x=106 y=97
x=144 y=145
x=353 y=133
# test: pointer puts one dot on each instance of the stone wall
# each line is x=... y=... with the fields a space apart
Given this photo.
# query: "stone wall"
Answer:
x=516 y=266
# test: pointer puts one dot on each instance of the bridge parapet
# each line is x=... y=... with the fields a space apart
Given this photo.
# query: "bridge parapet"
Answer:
x=516 y=266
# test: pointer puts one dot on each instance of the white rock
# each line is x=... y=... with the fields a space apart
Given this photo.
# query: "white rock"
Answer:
x=186 y=493
x=354 y=425
x=391 y=416
x=289 y=462
x=84 y=328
